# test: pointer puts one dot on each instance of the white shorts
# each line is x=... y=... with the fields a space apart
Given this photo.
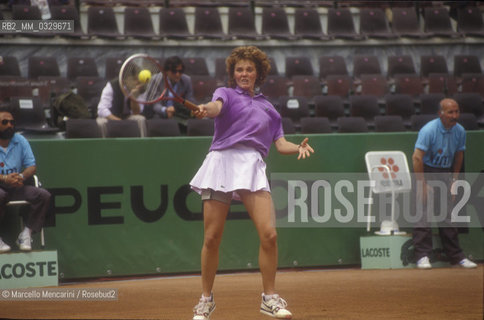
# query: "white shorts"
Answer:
x=237 y=168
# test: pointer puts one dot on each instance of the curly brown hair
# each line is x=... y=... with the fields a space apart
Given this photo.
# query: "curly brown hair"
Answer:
x=252 y=53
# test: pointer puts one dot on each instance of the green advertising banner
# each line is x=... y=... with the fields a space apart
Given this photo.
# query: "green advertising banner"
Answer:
x=124 y=207
x=28 y=269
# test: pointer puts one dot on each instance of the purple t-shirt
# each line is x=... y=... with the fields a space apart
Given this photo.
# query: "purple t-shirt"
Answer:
x=246 y=120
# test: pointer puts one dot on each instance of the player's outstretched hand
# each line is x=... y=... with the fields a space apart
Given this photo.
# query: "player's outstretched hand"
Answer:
x=305 y=149
x=201 y=112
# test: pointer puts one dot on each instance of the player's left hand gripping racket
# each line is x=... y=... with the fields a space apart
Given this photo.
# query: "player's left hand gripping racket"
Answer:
x=142 y=80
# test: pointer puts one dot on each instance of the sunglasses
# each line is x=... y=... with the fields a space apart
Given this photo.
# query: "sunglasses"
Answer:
x=6 y=121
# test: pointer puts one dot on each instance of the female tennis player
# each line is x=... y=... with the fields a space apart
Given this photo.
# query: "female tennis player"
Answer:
x=246 y=124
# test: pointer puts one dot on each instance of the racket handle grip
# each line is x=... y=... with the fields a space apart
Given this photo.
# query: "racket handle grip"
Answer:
x=190 y=105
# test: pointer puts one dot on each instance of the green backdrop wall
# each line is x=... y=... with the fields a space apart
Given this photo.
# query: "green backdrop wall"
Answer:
x=123 y=207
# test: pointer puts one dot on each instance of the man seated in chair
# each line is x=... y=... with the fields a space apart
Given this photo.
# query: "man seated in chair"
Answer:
x=17 y=164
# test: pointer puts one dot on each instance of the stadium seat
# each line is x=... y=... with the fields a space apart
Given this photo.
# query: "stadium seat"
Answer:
x=200 y=127
x=101 y=22
x=405 y=23
x=298 y=66
x=195 y=66
x=138 y=23
x=330 y=107
x=339 y=85
x=332 y=65
x=43 y=66
x=122 y=129
x=470 y=22
x=203 y=88
x=373 y=24
x=81 y=67
x=57 y=85
x=341 y=25
x=29 y=12
x=468 y=121
x=11 y=86
x=352 y=125
x=417 y=121
x=294 y=108
x=9 y=66
x=288 y=126
x=442 y=83
x=473 y=83
x=393 y=123
x=241 y=24
x=68 y=12
x=437 y=22
x=374 y=84
x=306 y=86
x=112 y=65
x=162 y=128
x=409 y=84
x=90 y=89
x=315 y=125
x=365 y=106
x=275 y=86
x=470 y=103
x=208 y=23
x=400 y=65
x=29 y=115
x=367 y=64
x=275 y=24
x=432 y=64
x=173 y=24
x=466 y=64
x=82 y=128
x=307 y=24
x=430 y=102
x=400 y=105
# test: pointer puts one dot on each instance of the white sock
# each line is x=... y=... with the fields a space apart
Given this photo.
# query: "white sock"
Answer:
x=268 y=297
x=206 y=299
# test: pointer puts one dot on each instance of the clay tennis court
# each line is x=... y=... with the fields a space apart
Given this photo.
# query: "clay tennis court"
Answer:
x=440 y=293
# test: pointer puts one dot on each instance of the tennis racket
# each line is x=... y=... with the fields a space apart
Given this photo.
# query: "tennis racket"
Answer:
x=142 y=80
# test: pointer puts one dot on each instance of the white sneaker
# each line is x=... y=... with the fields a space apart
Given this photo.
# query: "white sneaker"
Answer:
x=468 y=264
x=275 y=307
x=424 y=263
x=4 y=247
x=203 y=309
x=24 y=242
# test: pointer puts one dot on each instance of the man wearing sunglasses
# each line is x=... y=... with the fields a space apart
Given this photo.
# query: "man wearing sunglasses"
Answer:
x=17 y=164
x=181 y=84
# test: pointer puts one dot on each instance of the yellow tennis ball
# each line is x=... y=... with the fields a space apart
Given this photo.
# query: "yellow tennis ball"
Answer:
x=144 y=76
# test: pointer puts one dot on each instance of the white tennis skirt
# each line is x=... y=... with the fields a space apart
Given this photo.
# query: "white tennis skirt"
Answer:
x=237 y=168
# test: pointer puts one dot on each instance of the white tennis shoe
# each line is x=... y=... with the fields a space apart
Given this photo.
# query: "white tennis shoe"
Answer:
x=4 y=247
x=204 y=309
x=24 y=242
x=468 y=264
x=424 y=263
x=275 y=307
